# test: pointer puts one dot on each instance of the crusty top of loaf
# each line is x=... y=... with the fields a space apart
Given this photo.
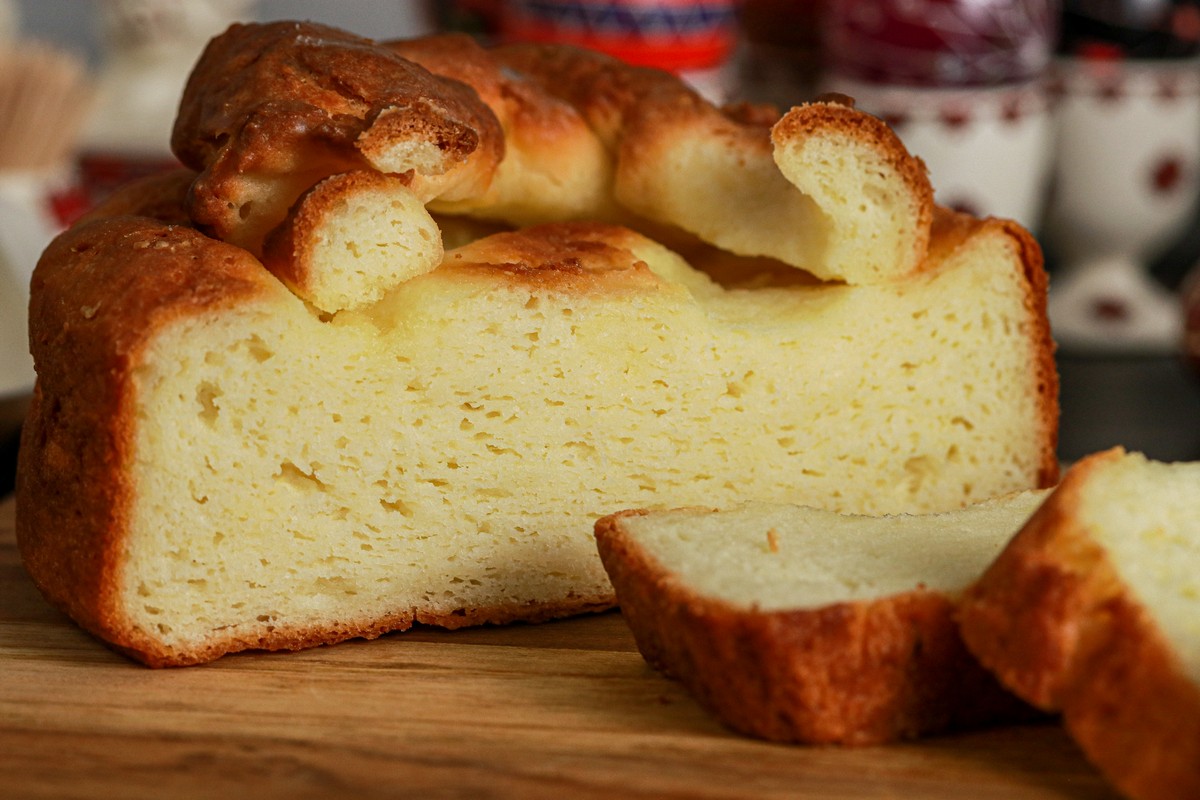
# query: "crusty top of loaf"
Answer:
x=536 y=133
x=578 y=257
x=794 y=191
x=608 y=92
x=270 y=109
x=555 y=166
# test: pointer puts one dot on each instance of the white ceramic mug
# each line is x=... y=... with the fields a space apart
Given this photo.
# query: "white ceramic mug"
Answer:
x=1126 y=182
x=988 y=149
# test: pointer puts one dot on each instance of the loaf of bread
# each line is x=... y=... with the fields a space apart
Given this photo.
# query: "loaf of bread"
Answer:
x=275 y=410
x=1093 y=610
x=800 y=625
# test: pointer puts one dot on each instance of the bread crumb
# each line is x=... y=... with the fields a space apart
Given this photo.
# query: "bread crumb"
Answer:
x=773 y=540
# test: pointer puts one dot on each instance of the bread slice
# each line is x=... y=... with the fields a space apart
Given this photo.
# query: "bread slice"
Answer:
x=1094 y=610
x=795 y=624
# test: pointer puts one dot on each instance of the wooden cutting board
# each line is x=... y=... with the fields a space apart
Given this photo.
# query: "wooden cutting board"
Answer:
x=560 y=710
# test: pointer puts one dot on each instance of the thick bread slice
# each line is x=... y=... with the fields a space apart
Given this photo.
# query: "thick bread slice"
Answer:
x=211 y=465
x=800 y=625
x=1094 y=610
x=271 y=109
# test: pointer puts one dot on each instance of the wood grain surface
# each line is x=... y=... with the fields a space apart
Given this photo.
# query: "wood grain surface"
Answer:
x=563 y=710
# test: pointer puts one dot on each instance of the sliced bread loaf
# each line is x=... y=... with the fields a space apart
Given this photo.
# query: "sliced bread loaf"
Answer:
x=796 y=624
x=274 y=410
x=1094 y=610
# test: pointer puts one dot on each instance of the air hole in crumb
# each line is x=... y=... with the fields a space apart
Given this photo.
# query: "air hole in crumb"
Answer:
x=258 y=349
x=306 y=481
x=206 y=395
x=398 y=506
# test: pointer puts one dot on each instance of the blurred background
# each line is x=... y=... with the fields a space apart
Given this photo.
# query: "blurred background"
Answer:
x=1080 y=119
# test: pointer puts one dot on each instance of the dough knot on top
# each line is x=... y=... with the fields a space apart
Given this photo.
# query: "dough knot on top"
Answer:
x=272 y=109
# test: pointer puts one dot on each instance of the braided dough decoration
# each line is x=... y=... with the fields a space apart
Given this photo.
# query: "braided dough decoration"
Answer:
x=827 y=189
x=525 y=134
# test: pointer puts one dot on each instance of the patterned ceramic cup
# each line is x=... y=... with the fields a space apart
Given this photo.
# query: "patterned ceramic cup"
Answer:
x=1126 y=181
x=694 y=38
x=960 y=82
x=989 y=150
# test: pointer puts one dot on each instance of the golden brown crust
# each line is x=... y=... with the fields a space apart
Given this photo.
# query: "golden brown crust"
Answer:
x=819 y=117
x=610 y=94
x=73 y=492
x=532 y=133
x=853 y=673
x=554 y=168
x=635 y=111
x=271 y=109
x=578 y=257
x=680 y=161
x=1053 y=620
x=885 y=198
x=288 y=638
x=522 y=107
